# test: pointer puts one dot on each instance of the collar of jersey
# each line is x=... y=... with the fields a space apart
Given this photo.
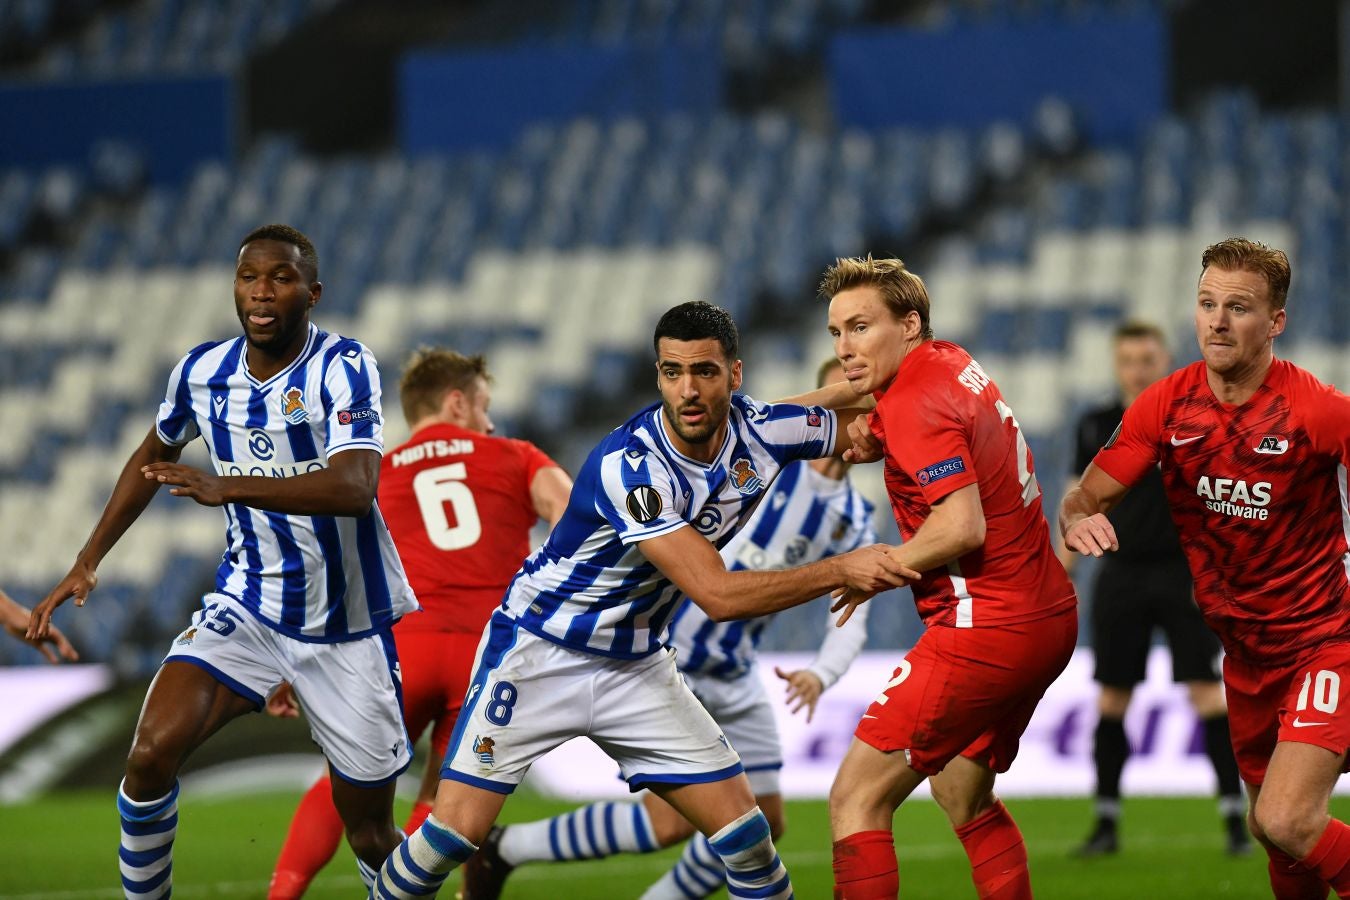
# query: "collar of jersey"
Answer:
x=670 y=447
x=299 y=360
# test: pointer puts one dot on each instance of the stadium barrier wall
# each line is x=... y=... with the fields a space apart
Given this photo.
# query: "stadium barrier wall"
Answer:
x=1112 y=70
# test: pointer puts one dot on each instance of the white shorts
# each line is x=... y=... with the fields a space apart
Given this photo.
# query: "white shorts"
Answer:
x=743 y=709
x=528 y=695
x=351 y=690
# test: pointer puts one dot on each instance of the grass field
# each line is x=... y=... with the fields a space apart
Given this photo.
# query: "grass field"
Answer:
x=63 y=848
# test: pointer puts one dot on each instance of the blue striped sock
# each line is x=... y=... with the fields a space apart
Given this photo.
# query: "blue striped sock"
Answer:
x=419 y=865
x=368 y=875
x=146 y=854
x=588 y=832
x=753 y=867
x=698 y=873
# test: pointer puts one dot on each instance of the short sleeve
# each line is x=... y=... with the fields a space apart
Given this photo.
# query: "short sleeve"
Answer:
x=533 y=459
x=1132 y=450
x=928 y=438
x=351 y=400
x=175 y=423
x=1327 y=420
x=636 y=495
x=791 y=432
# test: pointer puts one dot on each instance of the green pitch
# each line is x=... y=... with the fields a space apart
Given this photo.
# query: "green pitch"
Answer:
x=64 y=847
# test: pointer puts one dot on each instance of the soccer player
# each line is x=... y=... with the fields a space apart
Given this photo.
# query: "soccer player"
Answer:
x=53 y=645
x=1001 y=613
x=576 y=647
x=309 y=584
x=1253 y=452
x=811 y=512
x=1146 y=586
x=460 y=505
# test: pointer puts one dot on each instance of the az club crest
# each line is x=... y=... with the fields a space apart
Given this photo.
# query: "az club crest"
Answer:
x=293 y=406
x=482 y=748
x=744 y=477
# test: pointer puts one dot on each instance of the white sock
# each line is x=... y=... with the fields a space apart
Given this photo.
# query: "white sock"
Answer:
x=146 y=854
x=419 y=865
x=589 y=832
x=753 y=867
x=698 y=873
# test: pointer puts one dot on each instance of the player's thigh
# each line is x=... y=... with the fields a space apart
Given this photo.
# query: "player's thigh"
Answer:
x=870 y=784
x=1122 y=623
x=649 y=722
x=436 y=668
x=1255 y=696
x=745 y=713
x=527 y=696
x=352 y=698
x=709 y=806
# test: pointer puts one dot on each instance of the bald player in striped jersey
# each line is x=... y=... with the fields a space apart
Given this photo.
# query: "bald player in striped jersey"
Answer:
x=576 y=648
x=811 y=512
x=309 y=584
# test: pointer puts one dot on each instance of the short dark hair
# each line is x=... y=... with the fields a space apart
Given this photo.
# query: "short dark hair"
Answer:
x=287 y=235
x=1136 y=328
x=433 y=372
x=826 y=367
x=698 y=320
x=1241 y=255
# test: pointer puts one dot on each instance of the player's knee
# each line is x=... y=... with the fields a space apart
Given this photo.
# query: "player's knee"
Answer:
x=671 y=830
x=961 y=806
x=372 y=842
x=1293 y=830
x=152 y=766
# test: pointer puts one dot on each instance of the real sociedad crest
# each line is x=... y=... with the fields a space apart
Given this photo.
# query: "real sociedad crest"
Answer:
x=293 y=406
x=744 y=477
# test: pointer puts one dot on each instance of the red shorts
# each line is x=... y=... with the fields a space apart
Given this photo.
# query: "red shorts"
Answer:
x=969 y=692
x=1307 y=702
x=436 y=668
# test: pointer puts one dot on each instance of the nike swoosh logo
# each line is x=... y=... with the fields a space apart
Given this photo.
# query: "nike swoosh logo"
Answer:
x=1299 y=724
x=1177 y=442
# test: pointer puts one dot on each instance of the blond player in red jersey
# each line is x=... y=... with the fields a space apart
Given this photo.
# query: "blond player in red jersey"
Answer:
x=1001 y=613
x=459 y=504
x=1253 y=452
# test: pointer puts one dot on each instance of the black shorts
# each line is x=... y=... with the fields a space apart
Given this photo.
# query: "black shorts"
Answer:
x=1128 y=602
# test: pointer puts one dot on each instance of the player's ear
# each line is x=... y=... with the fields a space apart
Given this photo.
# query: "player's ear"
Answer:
x=736 y=375
x=1277 y=323
x=315 y=291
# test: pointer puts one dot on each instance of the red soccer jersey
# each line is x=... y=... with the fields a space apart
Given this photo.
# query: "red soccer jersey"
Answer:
x=458 y=506
x=945 y=425
x=1258 y=494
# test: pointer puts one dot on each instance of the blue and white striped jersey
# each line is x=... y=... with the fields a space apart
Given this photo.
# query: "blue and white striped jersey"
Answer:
x=804 y=517
x=589 y=587
x=316 y=578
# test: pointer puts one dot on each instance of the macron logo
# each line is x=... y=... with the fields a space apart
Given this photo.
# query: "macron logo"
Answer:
x=1179 y=442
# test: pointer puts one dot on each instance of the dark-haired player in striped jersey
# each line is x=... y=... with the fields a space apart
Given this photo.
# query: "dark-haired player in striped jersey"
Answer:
x=811 y=512
x=309 y=584
x=1253 y=452
x=576 y=648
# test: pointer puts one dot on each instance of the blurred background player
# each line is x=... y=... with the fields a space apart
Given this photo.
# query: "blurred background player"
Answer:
x=811 y=512
x=1147 y=585
x=309 y=584
x=1002 y=616
x=460 y=505
x=53 y=645
x=584 y=620
x=1253 y=452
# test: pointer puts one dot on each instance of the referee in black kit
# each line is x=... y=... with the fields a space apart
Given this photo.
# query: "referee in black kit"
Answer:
x=1143 y=586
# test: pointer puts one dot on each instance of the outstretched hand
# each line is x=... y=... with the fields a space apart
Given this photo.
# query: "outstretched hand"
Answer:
x=186 y=481
x=868 y=572
x=77 y=583
x=282 y=702
x=1092 y=536
x=804 y=687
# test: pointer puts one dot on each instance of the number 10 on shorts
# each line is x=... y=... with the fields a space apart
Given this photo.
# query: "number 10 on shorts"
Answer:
x=1324 y=690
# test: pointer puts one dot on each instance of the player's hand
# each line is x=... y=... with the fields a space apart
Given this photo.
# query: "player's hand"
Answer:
x=205 y=488
x=848 y=600
x=804 y=688
x=1092 y=536
x=867 y=572
x=78 y=583
x=282 y=702
x=866 y=448
x=54 y=646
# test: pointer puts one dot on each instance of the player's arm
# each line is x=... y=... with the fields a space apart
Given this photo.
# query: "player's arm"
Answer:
x=1082 y=513
x=14 y=616
x=130 y=496
x=550 y=489
x=837 y=396
x=346 y=488
x=1067 y=557
x=695 y=567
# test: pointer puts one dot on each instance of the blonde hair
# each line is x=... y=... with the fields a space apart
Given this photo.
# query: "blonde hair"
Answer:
x=901 y=290
x=433 y=372
x=1241 y=255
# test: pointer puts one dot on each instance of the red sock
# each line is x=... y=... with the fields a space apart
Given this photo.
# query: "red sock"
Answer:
x=1292 y=880
x=865 y=867
x=998 y=856
x=1330 y=859
x=311 y=841
x=419 y=814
